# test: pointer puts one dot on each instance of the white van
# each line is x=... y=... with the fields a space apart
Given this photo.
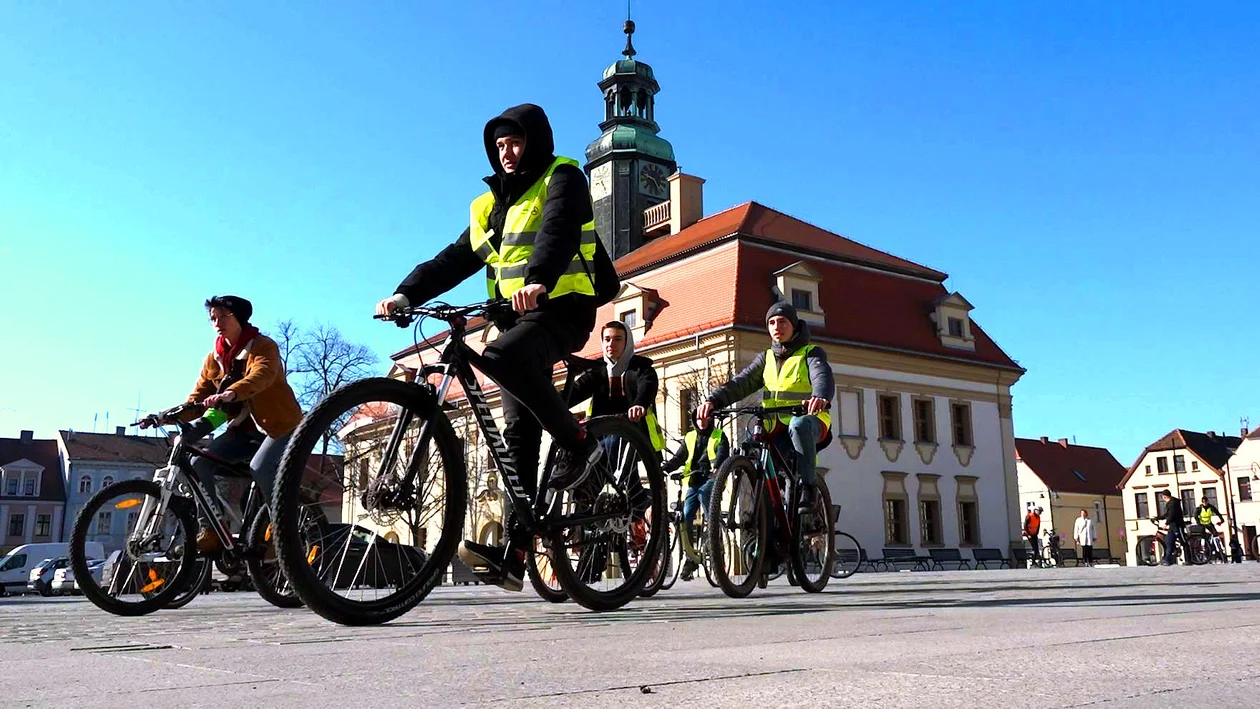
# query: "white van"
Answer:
x=15 y=569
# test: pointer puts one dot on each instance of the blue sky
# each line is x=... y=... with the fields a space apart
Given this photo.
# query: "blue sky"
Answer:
x=1087 y=173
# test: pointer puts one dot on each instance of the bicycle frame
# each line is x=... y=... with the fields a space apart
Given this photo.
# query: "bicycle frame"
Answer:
x=456 y=363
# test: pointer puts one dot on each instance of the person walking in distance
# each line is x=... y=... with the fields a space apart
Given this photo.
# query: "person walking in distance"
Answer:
x=1032 y=530
x=1084 y=535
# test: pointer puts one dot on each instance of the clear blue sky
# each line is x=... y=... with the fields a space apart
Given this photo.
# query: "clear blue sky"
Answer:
x=1089 y=174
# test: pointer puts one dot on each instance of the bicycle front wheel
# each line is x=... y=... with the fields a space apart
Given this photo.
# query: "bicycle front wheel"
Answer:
x=737 y=527
x=812 y=557
x=542 y=576
x=370 y=501
x=607 y=533
x=199 y=584
x=159 y=550
x=847 y=555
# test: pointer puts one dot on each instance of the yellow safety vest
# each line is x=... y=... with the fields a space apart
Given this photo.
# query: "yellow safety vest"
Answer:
x=520 y=229
x=689 y=441
x=788 y=386
x=1205 y=516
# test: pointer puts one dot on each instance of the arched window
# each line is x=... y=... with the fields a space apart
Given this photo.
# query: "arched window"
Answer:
x=85 y=483
x=109 y=480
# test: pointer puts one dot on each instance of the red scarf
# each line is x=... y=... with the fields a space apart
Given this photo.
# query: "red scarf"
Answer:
x=226 y=356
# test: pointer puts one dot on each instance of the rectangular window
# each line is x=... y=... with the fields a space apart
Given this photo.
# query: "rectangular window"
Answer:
x=43 y=525
x=962 y=424
x=1161 y=465
x=895 y=529
x=132 y=518
x=17 y=525
x=1159 y=504
x=104 y=520
x=630 y=318
x=1209 y=493
x=1187 y=501
x=1179 y=463
x=686 y=401
x=802 y=300
x=11 y=485
x=968 y=524
x=29 y=487
x=930 y=521
x=955 y=327
x=1244 y=488
x=1148 y=470
x=924 y=421
x=890 y=416
x=1194 y=466
x=1142 y=505
x=850 y=407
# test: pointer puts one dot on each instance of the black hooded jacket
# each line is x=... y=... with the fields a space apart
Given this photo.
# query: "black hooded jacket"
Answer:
x=567 y=208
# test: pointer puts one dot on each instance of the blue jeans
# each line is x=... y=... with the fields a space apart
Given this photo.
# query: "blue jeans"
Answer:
x=697 y=495
x=235 y=446
x=1173 y=535
x=802 y=440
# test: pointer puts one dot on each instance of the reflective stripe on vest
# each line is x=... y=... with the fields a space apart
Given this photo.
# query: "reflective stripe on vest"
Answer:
x=520 y=229
x=689 y=441
x=1205 y=517
x=790 y=385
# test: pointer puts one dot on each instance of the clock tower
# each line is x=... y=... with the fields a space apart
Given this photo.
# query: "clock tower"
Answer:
x=629 y=163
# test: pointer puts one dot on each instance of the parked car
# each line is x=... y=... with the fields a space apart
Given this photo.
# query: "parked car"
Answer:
x=40 y=579
x=15 y=568
x=63 y=581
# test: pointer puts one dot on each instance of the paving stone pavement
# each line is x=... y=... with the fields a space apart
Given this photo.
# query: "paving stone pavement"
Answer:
x=1105 y=637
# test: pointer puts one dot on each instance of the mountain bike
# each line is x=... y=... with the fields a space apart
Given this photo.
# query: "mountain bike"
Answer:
x=846 y=551
x=399 y=474
x=754 y=514
x=682 y=546
x=158 y=565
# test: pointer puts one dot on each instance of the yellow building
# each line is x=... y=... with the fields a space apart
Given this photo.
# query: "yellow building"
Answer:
x=1063 y=479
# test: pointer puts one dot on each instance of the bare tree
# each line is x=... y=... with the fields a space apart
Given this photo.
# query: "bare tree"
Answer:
x=288 y=337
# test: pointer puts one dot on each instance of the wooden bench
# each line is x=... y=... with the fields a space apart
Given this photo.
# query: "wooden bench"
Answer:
x=1067 y=554
x=849 y=556
x=984 y=557
x=1020 y=556
x=1103 y=556
x=940 y=557
x=895 y=557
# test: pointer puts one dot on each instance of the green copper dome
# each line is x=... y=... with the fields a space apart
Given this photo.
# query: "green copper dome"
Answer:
x=631 y=138
x=629 y=67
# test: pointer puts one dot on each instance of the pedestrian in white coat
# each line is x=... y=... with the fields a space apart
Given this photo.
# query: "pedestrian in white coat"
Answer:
x=1083 y=533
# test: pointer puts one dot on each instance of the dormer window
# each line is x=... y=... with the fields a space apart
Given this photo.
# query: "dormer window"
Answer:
x=798 y=284
x=630 y=319
x=953 y=322
x=635 y=307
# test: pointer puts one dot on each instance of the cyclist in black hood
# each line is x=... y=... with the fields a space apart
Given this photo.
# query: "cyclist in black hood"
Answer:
x=532 y=234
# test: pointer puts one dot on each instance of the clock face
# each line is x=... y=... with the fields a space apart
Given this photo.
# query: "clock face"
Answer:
x=652 y=181
x=601 y=182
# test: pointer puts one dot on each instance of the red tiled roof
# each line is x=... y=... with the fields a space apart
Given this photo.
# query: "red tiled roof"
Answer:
x=1054 y=461
x=1254 y=434
x=115 y=448
x=1215 y=450
x=756 y=222
x=44 y=453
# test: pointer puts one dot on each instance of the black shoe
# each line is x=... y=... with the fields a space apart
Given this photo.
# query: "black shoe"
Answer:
x=1166 y=563
x=688 y=570
x=573 y=467
x=499 y=566
x=809 y=496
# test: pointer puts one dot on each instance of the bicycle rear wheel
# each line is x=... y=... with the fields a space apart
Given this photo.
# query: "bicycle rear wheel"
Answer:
x=812 y=556
x=737 y=527
x=607 y=533
x=199 y=584
x=159 y=551
x=383 y=545
x=661 y=573
x=541 y=576
x=847 y=554
x=674 y=557
x=265 y=572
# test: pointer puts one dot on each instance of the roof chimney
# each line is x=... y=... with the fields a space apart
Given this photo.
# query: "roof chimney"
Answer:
x=686 y=197
x=1044 y=440
x=28 y=437
x=1063 y=442
x=120 y=430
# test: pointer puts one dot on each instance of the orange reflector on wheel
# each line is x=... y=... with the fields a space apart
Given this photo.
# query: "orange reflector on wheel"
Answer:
x=124 y=504
x=310 y=558
x=154 y=582
x=267 y=534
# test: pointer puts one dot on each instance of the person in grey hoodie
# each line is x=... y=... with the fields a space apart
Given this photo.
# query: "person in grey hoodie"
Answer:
x=792 y=371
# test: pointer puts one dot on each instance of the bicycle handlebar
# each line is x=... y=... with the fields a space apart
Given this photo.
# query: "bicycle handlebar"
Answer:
x=402 y=317
x=760 y=411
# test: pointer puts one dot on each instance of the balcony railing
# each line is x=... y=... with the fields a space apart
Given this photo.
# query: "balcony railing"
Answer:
x=656 y=216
